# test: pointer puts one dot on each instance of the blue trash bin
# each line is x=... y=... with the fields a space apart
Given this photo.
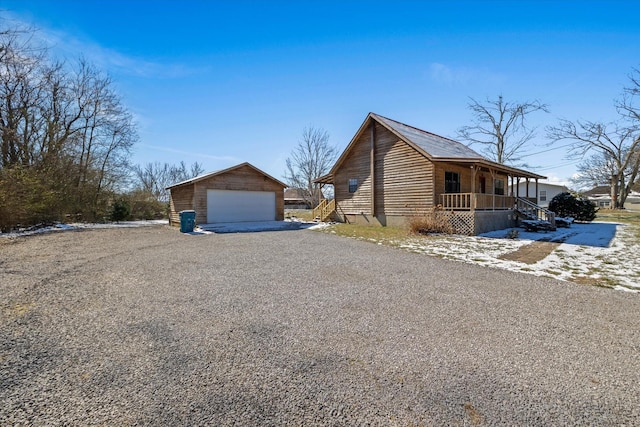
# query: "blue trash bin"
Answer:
x=187 y=221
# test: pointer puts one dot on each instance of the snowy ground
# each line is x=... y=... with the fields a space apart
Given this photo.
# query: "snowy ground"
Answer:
x=599 y=253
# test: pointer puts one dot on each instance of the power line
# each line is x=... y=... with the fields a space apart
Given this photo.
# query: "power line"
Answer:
x=554 y=166
x=546 y=151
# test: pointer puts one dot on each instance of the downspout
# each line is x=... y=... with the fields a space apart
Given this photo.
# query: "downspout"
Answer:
x=373 y=168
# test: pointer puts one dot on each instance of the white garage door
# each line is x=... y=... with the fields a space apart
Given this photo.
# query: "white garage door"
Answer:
x=240 y=206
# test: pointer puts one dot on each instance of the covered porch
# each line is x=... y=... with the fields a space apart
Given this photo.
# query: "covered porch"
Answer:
x=492 y=186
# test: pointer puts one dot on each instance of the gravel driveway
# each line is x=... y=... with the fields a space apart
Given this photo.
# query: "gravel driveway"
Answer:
x=150 y=327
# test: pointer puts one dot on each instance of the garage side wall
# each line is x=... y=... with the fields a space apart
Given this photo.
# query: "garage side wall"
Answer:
x=240 y=179
x=180 y=199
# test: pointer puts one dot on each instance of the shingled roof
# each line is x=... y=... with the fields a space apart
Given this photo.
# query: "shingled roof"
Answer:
x=434 y=147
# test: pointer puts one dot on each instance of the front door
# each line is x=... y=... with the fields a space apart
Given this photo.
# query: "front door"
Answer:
x=483 y=184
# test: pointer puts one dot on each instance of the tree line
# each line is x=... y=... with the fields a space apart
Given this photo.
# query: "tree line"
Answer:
x=65 y=141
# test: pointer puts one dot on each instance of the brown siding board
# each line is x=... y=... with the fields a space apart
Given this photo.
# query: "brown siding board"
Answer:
x=356 y=165
x=180 y=199
x=403 y=177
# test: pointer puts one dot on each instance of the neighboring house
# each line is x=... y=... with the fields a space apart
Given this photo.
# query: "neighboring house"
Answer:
x=390 y=172
x=601 y=197
x=545 y=193
x=241 y=193
x=294 y=199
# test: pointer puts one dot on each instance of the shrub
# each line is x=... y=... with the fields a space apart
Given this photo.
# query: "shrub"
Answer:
x=568 y=205
x=120 y=210
x=145 y=206
x=435 y=221
x=513 y=234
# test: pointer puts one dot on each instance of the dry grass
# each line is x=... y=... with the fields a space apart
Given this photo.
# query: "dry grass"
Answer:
x=434 y=221
x=385 y=235
x=624 y=216
x=629 y=217
x=302 y=214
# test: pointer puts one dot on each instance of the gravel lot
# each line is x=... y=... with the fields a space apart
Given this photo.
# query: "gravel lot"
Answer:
x=151 y=327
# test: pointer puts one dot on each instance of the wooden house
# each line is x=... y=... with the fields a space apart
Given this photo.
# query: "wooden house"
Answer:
x=391 y=171
x=242 y=193
x=295 y=198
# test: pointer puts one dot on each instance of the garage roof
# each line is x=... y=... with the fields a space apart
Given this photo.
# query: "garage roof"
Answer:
x=220 y=172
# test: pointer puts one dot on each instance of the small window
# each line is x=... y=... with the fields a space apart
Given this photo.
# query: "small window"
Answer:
x=451 y=182
x=499 y=187
x=353 y=185
x=543 y=195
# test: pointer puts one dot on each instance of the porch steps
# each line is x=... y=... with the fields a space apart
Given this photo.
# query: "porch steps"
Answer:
x=324 y=210
x=534 y=217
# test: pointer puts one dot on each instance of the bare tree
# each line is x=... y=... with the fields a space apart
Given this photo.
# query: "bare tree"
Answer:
x=594 y=171
x=154 y=178
x=615 y=147
x=310 y=159
x=500 y=128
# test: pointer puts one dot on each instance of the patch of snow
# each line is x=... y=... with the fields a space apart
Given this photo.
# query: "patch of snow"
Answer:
x=83 y=226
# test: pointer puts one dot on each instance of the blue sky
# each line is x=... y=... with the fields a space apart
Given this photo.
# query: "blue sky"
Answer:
x=223 y=82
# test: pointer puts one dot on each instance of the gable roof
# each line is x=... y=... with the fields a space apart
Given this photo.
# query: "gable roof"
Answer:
x=430 y=145
x=223 y=171
x=435 y=146
x=598 y=190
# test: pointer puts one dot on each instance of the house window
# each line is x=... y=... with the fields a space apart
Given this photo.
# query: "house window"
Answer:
x=543 y=195
x=451 y=182
x=499 y=187
x=353 y=185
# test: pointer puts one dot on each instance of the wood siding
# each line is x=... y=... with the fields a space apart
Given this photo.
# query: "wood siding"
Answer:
x=243 y=178
x=180 y=199
x=355 y=165
x=403 y=177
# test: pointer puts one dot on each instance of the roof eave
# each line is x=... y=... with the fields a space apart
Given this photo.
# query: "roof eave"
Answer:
x=488 y=163
x=220 y=172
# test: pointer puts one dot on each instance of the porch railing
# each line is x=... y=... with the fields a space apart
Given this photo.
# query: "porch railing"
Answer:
x=532 y=211
x=476 y=201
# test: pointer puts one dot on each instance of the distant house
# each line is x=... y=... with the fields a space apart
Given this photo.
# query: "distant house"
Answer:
x=241 y=193
x=294 y=199
x=391 y=171
x=601 y=197
x=546 y=191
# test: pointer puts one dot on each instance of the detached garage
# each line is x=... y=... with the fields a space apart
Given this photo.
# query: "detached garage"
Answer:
x=241 y=193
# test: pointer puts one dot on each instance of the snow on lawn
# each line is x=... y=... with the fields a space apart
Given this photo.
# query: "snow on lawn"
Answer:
x=83 y=226
x=599 y=253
